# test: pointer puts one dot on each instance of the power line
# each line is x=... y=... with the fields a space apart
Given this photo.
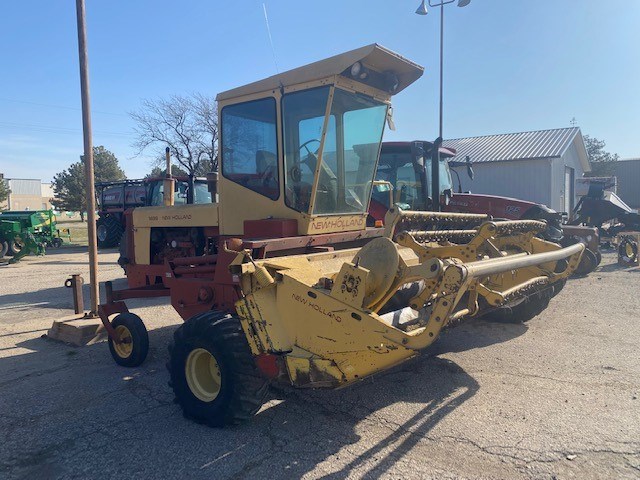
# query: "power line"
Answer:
x=64 y=107
x=60 y=130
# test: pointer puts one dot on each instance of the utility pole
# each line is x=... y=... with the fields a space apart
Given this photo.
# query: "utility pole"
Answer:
x=88 y=158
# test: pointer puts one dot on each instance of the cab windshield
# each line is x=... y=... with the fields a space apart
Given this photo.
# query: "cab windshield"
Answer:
x=201 y=193
x=347 y=156
x=400 y=170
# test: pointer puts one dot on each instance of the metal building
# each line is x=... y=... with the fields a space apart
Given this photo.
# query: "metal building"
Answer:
x=627 y=174
x=538 y=166
x=26 y=194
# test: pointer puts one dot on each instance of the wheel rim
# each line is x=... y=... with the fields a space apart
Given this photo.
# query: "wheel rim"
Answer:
x=125 y=348
x=17 y=246
x=102 y=233
x=203 y=375
x=629 y=250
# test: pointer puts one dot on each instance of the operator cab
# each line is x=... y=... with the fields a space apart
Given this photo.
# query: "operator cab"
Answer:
x=302 y=147
x=410 y=175
x=201 y=194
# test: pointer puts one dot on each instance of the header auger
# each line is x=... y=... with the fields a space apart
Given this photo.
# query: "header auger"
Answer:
x=281 y=279
x=472 y=238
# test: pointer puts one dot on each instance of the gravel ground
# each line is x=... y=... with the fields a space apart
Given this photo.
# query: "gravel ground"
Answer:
x=556 y=398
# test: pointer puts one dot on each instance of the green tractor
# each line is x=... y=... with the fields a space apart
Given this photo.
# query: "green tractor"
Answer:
x=25 y=232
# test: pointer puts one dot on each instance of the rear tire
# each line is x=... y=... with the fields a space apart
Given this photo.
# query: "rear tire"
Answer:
x=15 y=247
x=109 y=232
x=4 y=248
x=130 y=327
x=213 y=373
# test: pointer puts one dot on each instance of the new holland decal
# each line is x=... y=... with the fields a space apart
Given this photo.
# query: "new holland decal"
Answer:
x=337 y=223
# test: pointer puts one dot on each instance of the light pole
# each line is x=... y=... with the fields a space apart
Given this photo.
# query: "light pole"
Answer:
x=435 y=157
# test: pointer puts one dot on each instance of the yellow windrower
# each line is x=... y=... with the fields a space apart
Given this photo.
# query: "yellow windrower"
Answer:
x=314 y=297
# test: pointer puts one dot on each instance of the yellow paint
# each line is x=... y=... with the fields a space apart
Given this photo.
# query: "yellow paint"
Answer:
x=311 y=225
x=327 y=335
x=124 y=349
x=142 y=245
x=203 y=375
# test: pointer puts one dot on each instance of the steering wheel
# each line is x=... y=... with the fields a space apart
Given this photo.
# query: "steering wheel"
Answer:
x=295 y=172
x=304 y=145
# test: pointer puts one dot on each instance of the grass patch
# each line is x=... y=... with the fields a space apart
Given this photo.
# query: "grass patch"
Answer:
x=78 y=231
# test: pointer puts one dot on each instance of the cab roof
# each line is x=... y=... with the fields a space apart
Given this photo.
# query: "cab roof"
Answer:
x=374 y=57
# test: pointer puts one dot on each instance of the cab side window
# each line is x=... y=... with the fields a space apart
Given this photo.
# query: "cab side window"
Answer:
x=249 y=146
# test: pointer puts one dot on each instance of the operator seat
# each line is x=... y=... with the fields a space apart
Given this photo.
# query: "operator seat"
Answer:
x=266 y=180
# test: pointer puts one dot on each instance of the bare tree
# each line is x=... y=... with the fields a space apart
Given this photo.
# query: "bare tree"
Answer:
x=188 y=125
x=206 y=112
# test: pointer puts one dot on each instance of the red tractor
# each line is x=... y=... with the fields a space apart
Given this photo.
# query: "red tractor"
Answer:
x=404 y=179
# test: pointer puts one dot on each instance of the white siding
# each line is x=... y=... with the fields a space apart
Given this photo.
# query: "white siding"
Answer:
x=523 y=179
x=570 y=159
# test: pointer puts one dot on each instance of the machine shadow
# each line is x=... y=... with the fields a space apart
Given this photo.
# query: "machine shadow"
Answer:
x=403 y=407
x=616 y=267
x=60 y=297
x=409 y=401
x=304 y=429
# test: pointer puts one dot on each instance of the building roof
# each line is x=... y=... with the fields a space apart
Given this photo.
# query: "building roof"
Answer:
x=520 y=146
x=24 y=186
x=372 y=56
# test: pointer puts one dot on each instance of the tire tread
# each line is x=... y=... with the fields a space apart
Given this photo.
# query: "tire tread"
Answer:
x=249 y=387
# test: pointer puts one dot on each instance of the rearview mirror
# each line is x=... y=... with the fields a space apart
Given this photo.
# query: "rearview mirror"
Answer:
x=469 y=167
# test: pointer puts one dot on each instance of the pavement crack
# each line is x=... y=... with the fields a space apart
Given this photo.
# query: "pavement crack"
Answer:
x=39 y=373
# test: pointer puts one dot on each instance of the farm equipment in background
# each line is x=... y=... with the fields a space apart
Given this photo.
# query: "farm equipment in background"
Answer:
x=282 y=280
x=114 y=198
x=29 y=231
x=628 y=245
x=600 y=205
x=404 y=175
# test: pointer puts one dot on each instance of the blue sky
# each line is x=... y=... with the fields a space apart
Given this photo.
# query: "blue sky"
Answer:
x=510 y=65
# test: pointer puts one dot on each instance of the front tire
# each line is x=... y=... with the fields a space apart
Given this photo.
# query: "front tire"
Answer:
x=212 y=369
x=135 y=340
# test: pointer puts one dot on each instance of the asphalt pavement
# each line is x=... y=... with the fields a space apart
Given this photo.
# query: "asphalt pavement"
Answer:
x=555 y=398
